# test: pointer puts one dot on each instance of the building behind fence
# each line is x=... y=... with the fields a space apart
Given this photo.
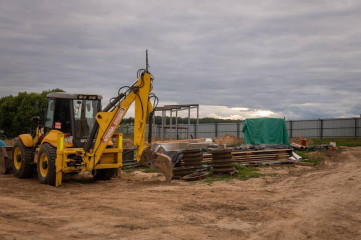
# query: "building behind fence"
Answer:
x=320 y=128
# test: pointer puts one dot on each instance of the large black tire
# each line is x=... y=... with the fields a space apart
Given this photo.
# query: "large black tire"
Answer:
x=104 y=174
x=46 y=164
x=23 y=160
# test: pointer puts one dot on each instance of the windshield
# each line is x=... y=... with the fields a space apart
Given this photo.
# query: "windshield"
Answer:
x=84 y=116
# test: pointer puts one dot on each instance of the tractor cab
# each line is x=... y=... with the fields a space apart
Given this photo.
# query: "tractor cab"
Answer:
x=72 y=114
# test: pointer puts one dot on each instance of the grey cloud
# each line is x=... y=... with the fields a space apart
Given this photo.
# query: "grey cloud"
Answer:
x=270 y=55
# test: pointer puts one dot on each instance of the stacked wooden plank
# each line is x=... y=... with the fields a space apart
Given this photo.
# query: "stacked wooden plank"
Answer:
x=222 y=161
x=190 y=163
x=263 y=156
x=257 y=157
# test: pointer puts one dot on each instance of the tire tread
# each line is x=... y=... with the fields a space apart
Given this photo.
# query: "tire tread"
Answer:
x=50 y=151
x=27 y=168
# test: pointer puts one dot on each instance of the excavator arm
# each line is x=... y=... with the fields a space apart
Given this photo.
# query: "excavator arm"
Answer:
x=109 y=119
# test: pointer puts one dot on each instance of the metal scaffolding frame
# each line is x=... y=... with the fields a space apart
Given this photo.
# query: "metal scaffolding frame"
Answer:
x=176 y=109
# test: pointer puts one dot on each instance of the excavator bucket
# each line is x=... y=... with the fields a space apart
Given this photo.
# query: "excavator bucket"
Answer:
x=158 y=161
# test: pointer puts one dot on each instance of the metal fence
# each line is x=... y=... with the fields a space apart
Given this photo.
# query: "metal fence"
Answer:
x=320 y=128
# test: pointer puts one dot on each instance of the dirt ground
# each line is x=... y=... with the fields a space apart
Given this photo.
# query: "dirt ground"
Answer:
x=301 y=202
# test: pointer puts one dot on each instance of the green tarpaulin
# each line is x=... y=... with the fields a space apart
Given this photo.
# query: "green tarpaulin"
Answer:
x=265 y=131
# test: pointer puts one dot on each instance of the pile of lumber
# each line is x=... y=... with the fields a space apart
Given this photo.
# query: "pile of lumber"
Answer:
x=257 y=157
x=222 y=161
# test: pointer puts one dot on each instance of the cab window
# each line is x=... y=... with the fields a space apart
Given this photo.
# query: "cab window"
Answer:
x=62 y=115
x=50 y=114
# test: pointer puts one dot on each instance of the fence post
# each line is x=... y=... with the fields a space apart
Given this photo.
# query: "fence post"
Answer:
x=176 y=124
x=163 y=123
x=238 y=130
x=197 y=123
x=189 y=123
x=321 y=132
x=291 y=129
x=216 y=129
x=355 y=119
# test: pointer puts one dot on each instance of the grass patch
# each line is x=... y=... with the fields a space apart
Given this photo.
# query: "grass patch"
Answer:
x=243 y=173
x=310 y=159
x=149 y=170
x=143 y=169
x=347 y=142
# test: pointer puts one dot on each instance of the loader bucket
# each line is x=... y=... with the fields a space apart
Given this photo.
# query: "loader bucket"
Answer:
x=158 y=161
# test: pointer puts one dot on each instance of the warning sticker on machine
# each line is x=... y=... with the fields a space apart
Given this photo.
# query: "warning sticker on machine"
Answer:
x=113 y=125
x=57 y=125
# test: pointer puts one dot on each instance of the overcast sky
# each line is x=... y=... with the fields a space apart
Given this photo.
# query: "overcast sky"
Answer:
x=237 y=59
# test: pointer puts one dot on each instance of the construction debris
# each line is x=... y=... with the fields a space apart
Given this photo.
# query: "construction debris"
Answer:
x=254 y=158
x=322 y=147
x=257 y=147
x=297 y=146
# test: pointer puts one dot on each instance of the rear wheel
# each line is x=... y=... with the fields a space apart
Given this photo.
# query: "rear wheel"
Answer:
x=104 y=174
x=46 y=164
x=23 y=159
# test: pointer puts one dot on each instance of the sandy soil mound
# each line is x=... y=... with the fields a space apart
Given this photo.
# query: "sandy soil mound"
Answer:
x=228 y=140
x=299 y=141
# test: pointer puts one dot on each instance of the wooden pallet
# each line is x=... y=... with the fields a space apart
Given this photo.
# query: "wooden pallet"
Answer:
x=256 y=156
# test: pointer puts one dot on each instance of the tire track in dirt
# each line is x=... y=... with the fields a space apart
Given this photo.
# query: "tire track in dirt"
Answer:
x=301 y=203
x=325 y=203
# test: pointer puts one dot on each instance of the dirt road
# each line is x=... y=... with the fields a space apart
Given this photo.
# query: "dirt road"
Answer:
x=300 y=203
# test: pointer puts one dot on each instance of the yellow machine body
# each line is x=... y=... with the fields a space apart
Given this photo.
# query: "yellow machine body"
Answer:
x=27 y=140
x=101 y=157
x=103 y=149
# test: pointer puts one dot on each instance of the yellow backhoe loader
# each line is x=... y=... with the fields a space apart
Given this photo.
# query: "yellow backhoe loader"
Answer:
x=78 y=136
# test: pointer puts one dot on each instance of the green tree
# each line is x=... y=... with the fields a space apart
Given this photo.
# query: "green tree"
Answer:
x=16 y=111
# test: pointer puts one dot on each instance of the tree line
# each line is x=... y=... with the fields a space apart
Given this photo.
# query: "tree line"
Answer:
x=158 y=120
x=16 y=111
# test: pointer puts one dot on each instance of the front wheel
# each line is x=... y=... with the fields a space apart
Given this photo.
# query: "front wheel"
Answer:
x=23 y=158
x=46 y=164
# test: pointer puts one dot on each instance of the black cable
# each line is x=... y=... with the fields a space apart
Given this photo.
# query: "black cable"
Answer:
x=135 y=89
x=155 y=101
x=125 y=91
x=140 y=71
